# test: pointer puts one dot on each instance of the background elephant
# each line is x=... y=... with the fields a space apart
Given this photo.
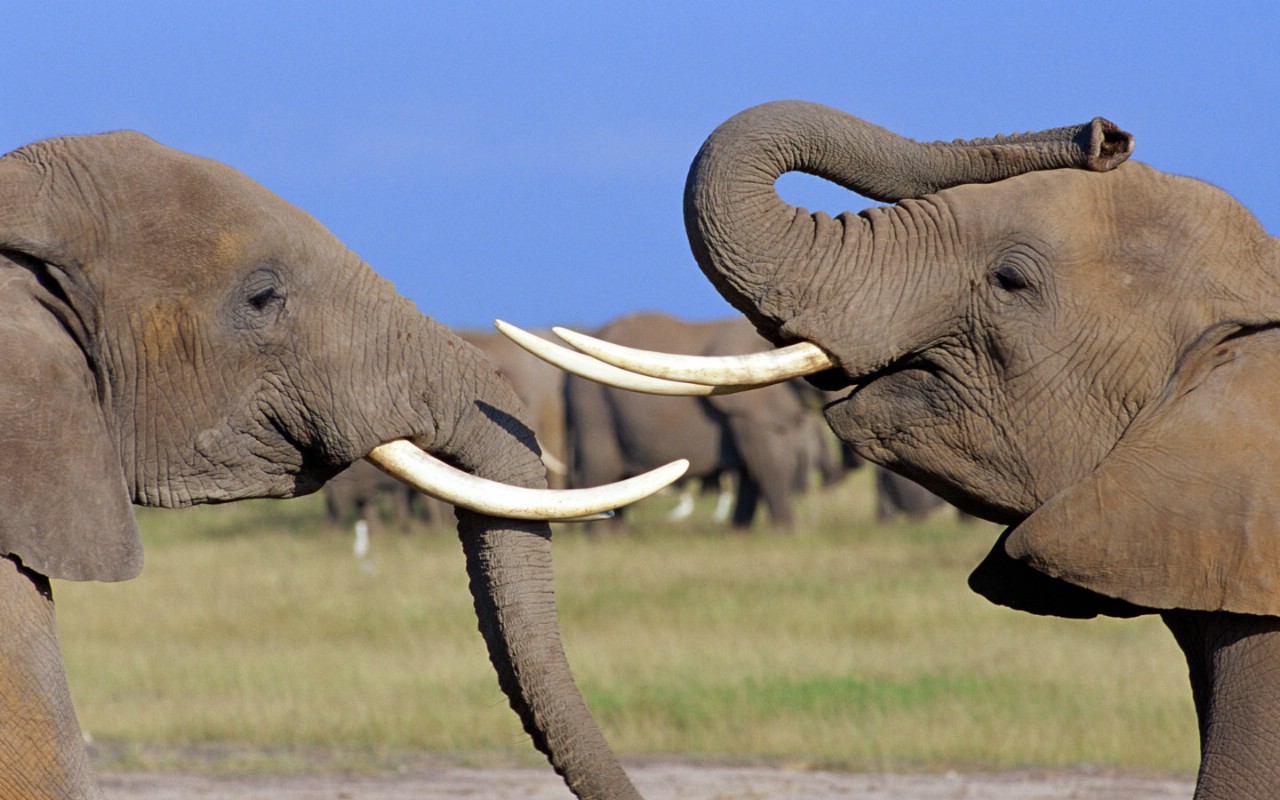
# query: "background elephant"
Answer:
x=766 y=441
x=898 y=496
x=364 y=493
x=171 y=333
x=1088 y=356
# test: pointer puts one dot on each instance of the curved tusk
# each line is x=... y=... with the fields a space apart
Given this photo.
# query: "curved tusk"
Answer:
x=410 y=464
x=751 y=369
x=593 y=369
x=552 y=463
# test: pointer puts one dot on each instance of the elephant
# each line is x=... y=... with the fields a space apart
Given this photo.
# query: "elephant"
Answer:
x=364 y=493
x=540 y=387
x=897 y=496
x=172 y=334
x=764 y=440
x=817 y=458
x=1076 y=346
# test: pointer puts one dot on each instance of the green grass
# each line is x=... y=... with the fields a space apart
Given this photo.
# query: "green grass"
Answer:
x=843 y=645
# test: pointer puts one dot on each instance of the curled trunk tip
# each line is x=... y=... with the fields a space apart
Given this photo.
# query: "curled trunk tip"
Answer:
x=1106 y=144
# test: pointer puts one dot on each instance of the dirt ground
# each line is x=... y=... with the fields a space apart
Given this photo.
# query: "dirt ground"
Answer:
x=656 y=781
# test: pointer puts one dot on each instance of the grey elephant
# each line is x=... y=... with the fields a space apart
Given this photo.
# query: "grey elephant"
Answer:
x=364 y=493
x=898 y=496
x=1080 y=347
x=763 y=440
x=171 y=333
x=540 y=387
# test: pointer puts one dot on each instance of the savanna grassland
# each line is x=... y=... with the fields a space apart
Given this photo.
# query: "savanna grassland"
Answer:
x=845 y=644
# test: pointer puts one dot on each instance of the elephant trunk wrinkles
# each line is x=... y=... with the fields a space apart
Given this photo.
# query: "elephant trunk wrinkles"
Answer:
x=751 y=244
x=511 y=580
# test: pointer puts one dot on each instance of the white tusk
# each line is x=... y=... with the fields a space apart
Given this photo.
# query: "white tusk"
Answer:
x=751 y=369
x=600 y=372
x=408 y=463
x=552 y=463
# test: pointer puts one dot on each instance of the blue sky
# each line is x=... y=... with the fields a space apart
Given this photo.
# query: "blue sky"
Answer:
x=526 y=160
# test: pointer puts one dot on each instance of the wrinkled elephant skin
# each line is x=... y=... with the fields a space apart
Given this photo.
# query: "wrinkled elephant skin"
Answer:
x=1078 y=346
x=540 y=387
x=171 y=333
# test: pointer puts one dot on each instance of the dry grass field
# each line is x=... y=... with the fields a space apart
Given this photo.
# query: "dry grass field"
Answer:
x=254 y=634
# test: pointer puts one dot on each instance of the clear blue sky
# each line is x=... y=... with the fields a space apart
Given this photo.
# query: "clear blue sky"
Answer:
x=526 y=160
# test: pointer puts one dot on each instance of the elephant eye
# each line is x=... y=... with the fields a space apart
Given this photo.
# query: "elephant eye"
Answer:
x=1010 y=278
x=266 y=298
x=261 y=300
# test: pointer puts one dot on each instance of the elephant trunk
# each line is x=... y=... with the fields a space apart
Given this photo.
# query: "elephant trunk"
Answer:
x=760 y=252
x=509 y=564
x=511 y=583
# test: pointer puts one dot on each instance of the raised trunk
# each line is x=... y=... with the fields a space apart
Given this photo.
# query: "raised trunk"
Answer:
x=761 y=253
x=509 y=563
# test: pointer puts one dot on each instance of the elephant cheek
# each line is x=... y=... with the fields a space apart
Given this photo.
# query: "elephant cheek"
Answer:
x=912 y=423
x=883 y=419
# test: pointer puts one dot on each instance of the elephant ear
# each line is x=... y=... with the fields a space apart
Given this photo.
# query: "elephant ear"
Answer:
x=64 y=503
x=1183 y=513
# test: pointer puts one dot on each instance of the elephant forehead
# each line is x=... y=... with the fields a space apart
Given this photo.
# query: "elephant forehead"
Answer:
x=199 y=210
x=228 y=246
x=1057 y=205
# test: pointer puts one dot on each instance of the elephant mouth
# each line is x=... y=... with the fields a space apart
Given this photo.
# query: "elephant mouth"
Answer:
x=669 y=373
x=415 y=467
x=836 y=379
x=832 y=380
x=911 y=365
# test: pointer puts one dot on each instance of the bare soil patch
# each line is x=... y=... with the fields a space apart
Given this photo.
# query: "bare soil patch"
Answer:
x=657 y=781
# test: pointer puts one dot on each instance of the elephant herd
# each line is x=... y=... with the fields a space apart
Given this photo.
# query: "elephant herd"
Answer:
x=766 y=445
x=1044 y=333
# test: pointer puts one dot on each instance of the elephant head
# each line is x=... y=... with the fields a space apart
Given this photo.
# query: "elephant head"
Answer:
x=1048 y=351
x=171 y=333
x=1082 y=348
x=1027 y=327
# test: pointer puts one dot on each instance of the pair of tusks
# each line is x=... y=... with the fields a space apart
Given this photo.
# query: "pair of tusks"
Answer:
x=614 y=365
x=667 y=373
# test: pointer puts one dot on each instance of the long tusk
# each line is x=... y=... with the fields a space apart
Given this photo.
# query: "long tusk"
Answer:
x=408 y=463
x=600 y=372
x=751 y=369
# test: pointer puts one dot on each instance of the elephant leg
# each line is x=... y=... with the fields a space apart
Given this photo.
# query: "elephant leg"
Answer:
x=724 y=498
x=332 y=511
x=1234 y=662
x=42 y=753
x=370 y=510
x=684 y=508
x=776 y=488
x=401 y=503
x=744 y=509
x=769 y=463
